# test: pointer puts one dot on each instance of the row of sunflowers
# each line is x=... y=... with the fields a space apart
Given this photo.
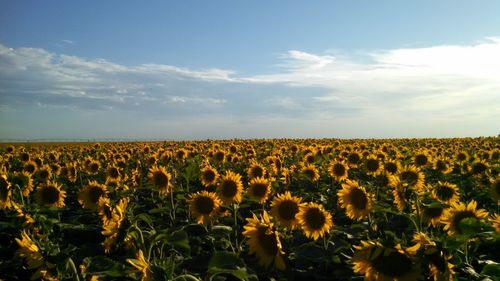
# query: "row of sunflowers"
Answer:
x=265 y=209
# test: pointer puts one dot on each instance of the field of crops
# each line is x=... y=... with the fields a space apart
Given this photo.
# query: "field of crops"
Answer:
x=313 y=209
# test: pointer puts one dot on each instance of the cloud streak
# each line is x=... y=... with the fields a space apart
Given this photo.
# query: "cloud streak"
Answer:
x=450 y=90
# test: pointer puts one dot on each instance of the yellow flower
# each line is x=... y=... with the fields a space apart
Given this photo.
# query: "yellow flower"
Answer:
x=460 y=211
x=314 y=220
x=51 y=194
x=259 y=189
x=285 y=208
x=161 y=179
x=355 y=199
x=230 y=188
x=142 y=265
x=446 y=192
x=310 y=172
x=256 y=170
x=5 y=192
x=89 y=196
x=338 y=170
x=208 y=176
x=203 y=206
x=264 y=241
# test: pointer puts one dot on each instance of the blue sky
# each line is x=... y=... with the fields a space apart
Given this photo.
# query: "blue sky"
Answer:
x=223 y=69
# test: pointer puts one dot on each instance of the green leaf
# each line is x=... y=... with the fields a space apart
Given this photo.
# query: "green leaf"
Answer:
x=469 y=226
x=179 y=240
x=492 y=270
x=227 y=260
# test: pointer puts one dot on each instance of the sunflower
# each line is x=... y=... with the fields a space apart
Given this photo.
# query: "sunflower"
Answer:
x=421 y=159
x=310 y=172
x=28 y=220
x=338 y=170
x=401 y=194
x=89 y=196
x=446 y=192
x=378 y=262
x=142 y=265
x=50 y=194
x=5 y=192
x=355 y=199
x=230 y=187
x=44 y=173
x=32 y=254
x=71 y=172
x=285 y=208
x=372 y=165
x=439 y=264
x=161 y=179
x=112 y=175
x=411 y=177
x=353 y=159
x=264 y=241
x=203 y=206
x=479 y=167
x=460 y=211
x=462 y=156
x=259 y=189
x=495 y=221
x=432 y=215
x=256 y=171
x=392 y=167
x=314 y=220
x=93 y=167
x=495 y=189
x=208 y=176
x=30 y=167
x=442 y=165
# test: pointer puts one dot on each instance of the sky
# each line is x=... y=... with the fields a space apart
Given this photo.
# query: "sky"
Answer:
x=249 y=69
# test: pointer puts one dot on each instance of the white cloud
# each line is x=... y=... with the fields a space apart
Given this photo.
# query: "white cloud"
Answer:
x=449 y=90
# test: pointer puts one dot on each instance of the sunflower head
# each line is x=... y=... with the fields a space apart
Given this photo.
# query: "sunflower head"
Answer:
x=50 y=194
x=285 y=208
x=411 y=177
x=338 y=170
x=355 y=199
x=31 y=167
x=5 y=192
x=203 y=206
x=89 y=196
x=264 y=241
x=479 y=167
x=353 y=159
x=372 y=165
x=392 y=167
x=446 y=192
x=314 y=220
x=160 y=178
x=310 y=173
x=259 y=189
x=421 y=159
x=460 y=211
x=208 y=176
x=256 y=171
x=44 y=173
x=230 y=188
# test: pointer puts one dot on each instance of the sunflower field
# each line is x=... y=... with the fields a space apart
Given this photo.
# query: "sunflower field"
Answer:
x=277 y=209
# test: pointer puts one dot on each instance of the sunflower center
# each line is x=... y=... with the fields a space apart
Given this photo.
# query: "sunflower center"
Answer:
x=94 y=167
x=30 y=168
x=259 y=190
x=204 y=205
x=315 y=218
x=372 y=165
x=288 y=209
x=461 y=156
x=267 y=240
x=309 y=173
x=445 y=192
x=394 y=264
x=441 y=165
x=338 y=169
x=391 y=167
x=229 y=188
x=113 y=173
x=438 y=261
x=358 y=198
x=257 y=171
x=409 y=177
x=50 y=195
x=458 y=217
x=421 y=160
x=160 y=179
x=95 y=194
x=44 y=174
x=478 y=168
x=353 y=158
x=209 y=175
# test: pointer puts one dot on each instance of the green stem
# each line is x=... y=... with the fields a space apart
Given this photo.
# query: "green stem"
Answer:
x=73 y=269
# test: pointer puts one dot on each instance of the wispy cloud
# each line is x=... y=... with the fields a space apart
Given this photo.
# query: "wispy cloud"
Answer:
x=430 y=91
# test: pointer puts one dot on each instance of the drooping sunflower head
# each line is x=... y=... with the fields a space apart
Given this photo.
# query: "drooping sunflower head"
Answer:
x=460 y=211
x=203 y=206
x=432 y=215
x=264 y=241
x=259 y=189
x=446 y=192
x=89 y=195
x=355 y=199
x=160 y=178
x=285 y=208
x=310 y=173
x=5 y=192
x=314 y=220
x=230 y=188
x=50 y=194
x=256 y=170
x=495 y=221
x=377 y=262
x=338 y=170
x=208 y=176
